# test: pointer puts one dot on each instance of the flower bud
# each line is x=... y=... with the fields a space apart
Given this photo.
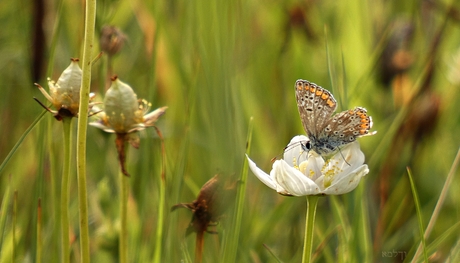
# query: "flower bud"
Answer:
x=112 y=40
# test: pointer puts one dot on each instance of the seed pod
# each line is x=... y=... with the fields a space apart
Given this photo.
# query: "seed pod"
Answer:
x=122 y=107
x=66 y=92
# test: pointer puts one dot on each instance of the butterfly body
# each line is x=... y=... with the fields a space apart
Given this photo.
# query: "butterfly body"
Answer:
x=328 y=131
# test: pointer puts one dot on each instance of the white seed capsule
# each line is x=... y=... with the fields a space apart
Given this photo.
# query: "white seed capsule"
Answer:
x=65 y=94
x=122 y=107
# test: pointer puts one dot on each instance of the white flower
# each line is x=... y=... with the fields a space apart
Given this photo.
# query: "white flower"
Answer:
x=302 y=173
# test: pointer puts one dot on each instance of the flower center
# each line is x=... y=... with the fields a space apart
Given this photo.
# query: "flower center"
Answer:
x=330 y=170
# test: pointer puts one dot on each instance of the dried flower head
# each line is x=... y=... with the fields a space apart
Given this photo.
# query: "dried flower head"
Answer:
x=124 y=115
x=112 y=39
x=123 y=112
x=65 y=94
x=210 y=205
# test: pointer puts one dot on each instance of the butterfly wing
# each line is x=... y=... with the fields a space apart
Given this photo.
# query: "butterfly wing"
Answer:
x=346 y=126
x=316 y=105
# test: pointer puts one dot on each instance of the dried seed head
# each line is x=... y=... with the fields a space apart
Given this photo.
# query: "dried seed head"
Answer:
x=65 y=94
x=112 y=40
x=123 y=112
x=122 y=107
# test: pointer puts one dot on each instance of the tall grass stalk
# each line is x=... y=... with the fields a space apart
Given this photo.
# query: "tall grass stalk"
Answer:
x=38 y=257
x=162 y=201
x=21 y=139
x=6 y=198
x=231 y=243
x=15 y=214
x=90 y=20
x=65 y=245
x=439 y=204
x=419 y=213
x=312 y=202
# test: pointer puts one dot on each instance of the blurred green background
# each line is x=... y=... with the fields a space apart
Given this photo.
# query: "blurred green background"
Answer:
x=216 y=64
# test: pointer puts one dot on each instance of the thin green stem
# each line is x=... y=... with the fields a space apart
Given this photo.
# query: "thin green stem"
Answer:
x=419 y=214
x=38 y=257
x=124 y=188
x=65 y=240
x=161 y=209
x=159 y=236
x=439 y=204
x=15 y=212
x=312 y=202
x=232 y=240
x=21 y=139
x=90 y=20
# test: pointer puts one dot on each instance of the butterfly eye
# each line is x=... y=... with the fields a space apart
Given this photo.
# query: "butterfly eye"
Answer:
x=307 y=146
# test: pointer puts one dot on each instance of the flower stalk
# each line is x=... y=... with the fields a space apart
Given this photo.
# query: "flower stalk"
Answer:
x=124 y=190
x=125 y=115
x=162 y=201
x=65 y=240
x=312 y=202
x=90 y=20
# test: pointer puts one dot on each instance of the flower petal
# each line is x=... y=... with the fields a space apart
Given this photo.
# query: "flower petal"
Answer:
x=292 y=180
x=294 y=153
x=348 y=182
x=101 y=126
x=153 y=116
x=349 y=158
x=312 y=167
x=264 y=177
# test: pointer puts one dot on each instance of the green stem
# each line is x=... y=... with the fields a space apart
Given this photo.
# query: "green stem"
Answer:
x=312 y=201
x=65 y=249
x=15 y=211
x=419 y=215
x=90 y=20
x=162 y=202
x=38 y=258
x=231 y=246
x=21 y=139
x=124 y=187
x=159 y=236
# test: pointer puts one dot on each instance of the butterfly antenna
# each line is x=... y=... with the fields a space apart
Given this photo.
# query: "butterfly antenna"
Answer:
x=287 y=148
x=340 y=151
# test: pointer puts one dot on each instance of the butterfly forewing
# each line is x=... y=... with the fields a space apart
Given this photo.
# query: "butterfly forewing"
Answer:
x=315 y=105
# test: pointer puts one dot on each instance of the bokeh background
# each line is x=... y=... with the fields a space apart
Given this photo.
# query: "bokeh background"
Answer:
x=216 y=64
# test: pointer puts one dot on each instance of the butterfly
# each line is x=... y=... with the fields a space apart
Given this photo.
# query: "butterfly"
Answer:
x=327 y=132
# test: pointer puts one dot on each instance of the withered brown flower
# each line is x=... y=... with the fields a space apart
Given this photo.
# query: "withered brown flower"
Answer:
x=211 y=203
